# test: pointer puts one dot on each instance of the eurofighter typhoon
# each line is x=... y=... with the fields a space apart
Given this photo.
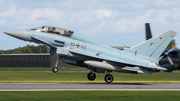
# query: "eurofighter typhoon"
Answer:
x=79 y=50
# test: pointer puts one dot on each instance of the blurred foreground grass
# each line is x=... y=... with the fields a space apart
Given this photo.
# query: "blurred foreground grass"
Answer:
x=90 y=96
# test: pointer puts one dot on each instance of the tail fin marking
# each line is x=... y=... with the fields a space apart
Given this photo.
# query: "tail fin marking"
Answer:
x=155 y=46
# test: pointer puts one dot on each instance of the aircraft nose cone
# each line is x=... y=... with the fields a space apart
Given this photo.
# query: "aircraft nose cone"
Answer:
x=20 y=34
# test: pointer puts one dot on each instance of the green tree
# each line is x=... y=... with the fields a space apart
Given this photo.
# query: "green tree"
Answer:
x=36 y=49
x=171 y=44
x=27 y=49
x=44 y=49
x=1 y=51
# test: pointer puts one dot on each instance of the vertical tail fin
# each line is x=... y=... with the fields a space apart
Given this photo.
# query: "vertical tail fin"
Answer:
x=154 y=47
x=148 y=31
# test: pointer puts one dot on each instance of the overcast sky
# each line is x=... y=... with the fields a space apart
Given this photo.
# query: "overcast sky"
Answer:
x=112 y=22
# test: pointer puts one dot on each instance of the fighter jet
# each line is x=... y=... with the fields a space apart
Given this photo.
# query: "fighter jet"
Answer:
x=79 y=50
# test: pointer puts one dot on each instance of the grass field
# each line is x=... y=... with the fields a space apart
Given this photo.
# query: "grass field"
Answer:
x=39 y=69
x=90 y=96
x=48 y=77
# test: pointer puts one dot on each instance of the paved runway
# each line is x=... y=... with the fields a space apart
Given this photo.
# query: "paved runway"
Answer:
x=89 y=86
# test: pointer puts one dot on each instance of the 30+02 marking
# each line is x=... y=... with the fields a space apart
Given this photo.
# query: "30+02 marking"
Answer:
x=78 y=45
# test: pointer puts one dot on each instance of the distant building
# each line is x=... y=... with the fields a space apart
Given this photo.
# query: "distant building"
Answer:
x=30 y=60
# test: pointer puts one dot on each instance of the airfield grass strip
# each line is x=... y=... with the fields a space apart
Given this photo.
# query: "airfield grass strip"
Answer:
x=15 y=77
x=41 y=69
x=89 y=95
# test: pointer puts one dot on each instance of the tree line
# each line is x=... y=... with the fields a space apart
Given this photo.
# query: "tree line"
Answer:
x=27 y=49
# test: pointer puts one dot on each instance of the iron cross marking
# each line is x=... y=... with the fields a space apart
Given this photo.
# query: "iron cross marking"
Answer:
x=78 y=45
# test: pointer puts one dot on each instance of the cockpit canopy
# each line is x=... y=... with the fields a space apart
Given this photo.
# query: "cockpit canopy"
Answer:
x=55 y=30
